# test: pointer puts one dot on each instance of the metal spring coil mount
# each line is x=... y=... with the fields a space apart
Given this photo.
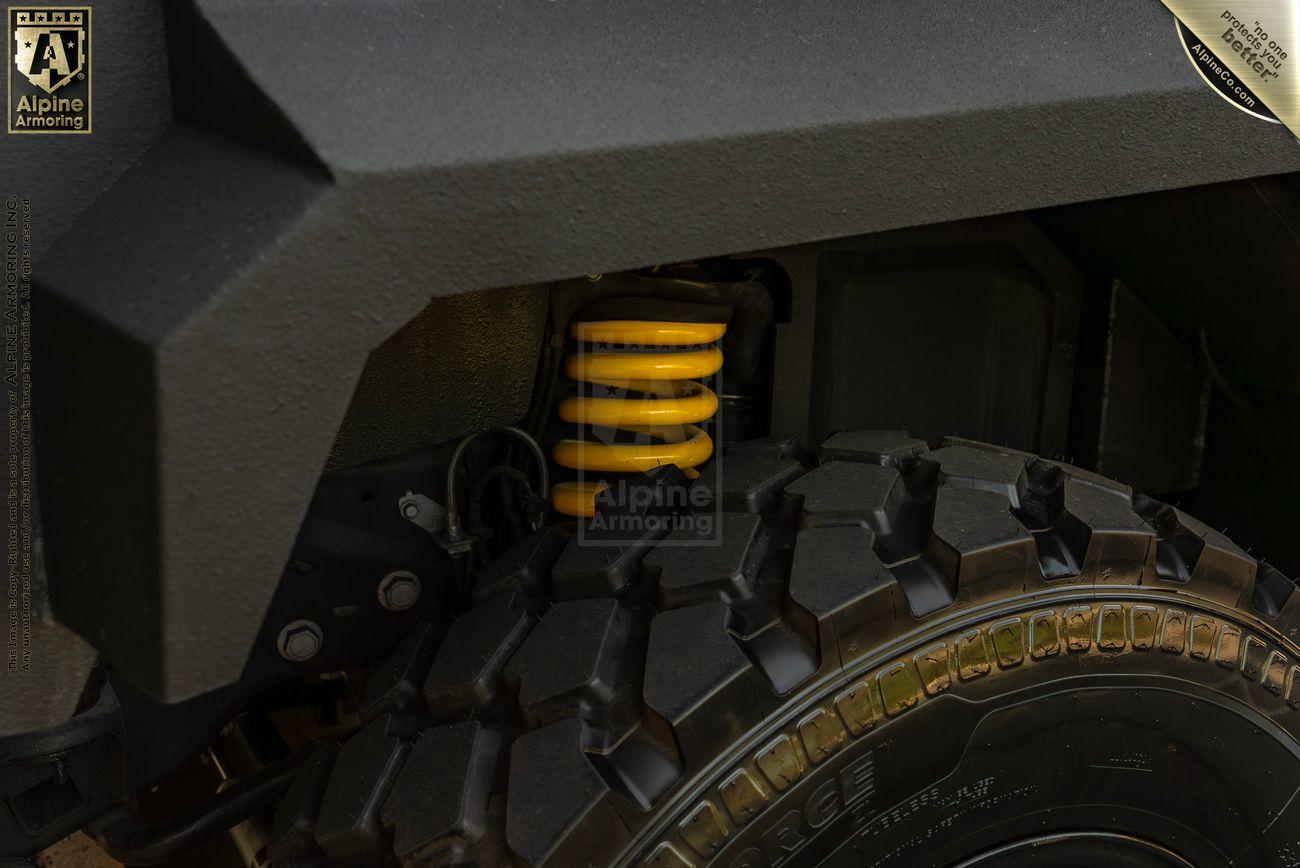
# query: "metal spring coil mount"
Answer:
x=649 y=372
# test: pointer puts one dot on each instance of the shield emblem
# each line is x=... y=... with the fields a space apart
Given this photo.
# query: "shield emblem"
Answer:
x=49 y=54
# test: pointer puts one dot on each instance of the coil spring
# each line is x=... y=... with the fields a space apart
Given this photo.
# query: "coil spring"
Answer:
x=650 y=373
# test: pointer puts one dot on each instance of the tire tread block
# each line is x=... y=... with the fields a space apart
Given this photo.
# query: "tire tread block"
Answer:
x=294 y=824
x=466 y=673
x=983 y=469
x=1287 y=621
x=975 y=537
x=1224 y=571
x=571 y=657
x=750 y=480
x=441 y=795
x=1121 y=546
x=604 y=557
x=1089 y=478
x=838 y=579
x=888 y=448
x=348 y=827
x=583 y=572
x=850 y=493
x=525 y=568
x=1068 y=469
x=692 y=574
x=559 y=811
x=1272 y=592
x=396 y=684
x=985 y=446
x=699 y=680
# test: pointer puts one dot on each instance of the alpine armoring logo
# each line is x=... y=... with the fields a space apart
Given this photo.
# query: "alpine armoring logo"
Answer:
x=49 y=72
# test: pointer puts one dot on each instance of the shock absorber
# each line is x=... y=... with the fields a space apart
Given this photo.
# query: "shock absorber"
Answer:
x=640 y=378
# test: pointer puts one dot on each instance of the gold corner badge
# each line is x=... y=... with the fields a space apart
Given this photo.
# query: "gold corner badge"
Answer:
x=49 y=69
x=1244 y=50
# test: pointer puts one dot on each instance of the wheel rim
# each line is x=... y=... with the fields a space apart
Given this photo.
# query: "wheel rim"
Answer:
x=1083 y=848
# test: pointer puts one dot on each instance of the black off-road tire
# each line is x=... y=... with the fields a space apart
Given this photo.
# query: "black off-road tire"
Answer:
x=893 y=657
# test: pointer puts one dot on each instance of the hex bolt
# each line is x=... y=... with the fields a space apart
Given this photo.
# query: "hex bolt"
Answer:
x=400 y=590
x=300 y=641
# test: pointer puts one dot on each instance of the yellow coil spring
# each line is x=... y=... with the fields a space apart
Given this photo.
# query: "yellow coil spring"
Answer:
x=667 y=407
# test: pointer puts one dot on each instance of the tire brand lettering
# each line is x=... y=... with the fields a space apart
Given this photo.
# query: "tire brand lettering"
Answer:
x=871 y=700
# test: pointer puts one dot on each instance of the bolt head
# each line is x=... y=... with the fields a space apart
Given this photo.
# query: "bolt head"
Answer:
x=300 y=641
x=400 y=590
x=402 y=596
x=302 y=645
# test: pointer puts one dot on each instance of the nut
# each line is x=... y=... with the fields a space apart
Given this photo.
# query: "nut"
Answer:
x=300 y=641
x=400 y=590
